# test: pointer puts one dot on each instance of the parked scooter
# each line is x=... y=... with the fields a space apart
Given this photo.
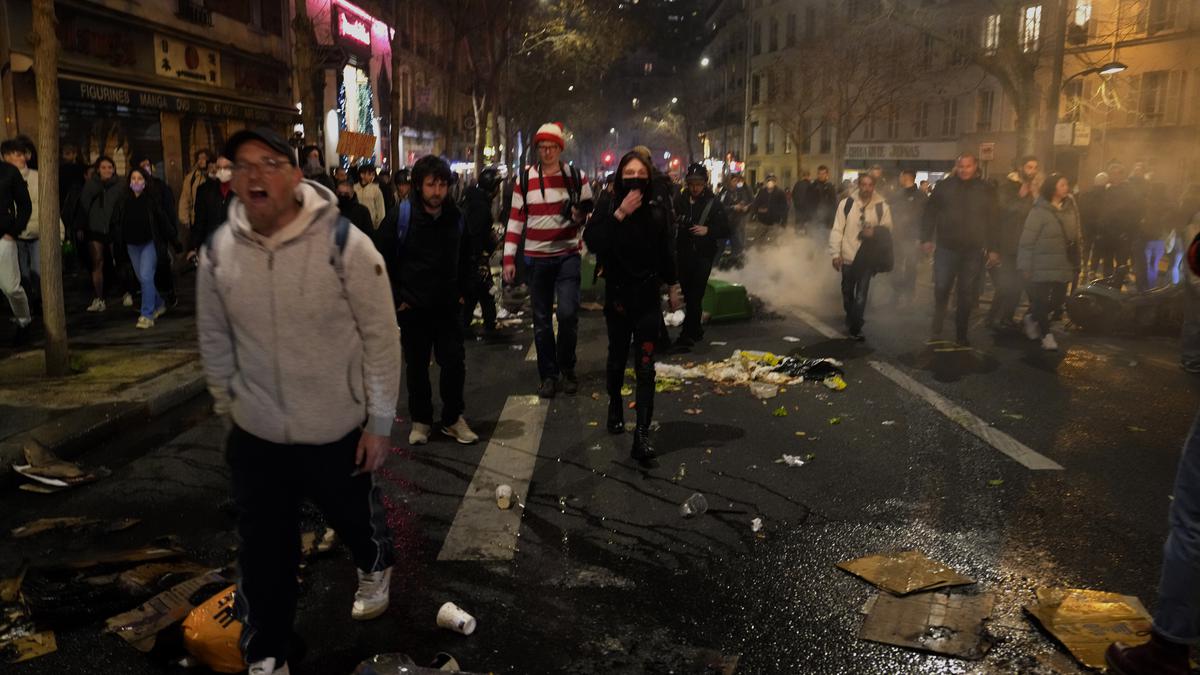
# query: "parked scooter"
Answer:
x=1103 y=305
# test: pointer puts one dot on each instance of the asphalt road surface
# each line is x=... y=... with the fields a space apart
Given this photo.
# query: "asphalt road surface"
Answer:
x=598 y=573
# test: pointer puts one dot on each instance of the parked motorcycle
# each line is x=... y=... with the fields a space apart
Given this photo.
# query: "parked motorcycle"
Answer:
x=1104 y=305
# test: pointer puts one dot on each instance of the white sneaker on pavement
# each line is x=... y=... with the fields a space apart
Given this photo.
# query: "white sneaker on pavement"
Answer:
x=267 y=667
x=144 y=322
x=127 y=300
x=371 y=599
x=419 y=434
x=98 y=305
x=1049 y=343
x=460 y=432
x=1031 y=327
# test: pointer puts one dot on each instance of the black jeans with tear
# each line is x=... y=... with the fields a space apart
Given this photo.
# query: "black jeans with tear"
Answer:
x=633 y=324
x=437 y=332
x=269 y=482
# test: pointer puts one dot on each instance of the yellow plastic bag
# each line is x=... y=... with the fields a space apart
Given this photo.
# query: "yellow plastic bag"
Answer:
x=211 y=632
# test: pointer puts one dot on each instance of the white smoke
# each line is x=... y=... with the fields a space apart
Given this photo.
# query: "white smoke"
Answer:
x=788 y=270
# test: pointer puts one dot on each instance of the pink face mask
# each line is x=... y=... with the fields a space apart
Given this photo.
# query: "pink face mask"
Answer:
x=137 y=188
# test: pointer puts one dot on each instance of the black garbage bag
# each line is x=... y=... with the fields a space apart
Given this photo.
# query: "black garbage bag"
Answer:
x=813 y=370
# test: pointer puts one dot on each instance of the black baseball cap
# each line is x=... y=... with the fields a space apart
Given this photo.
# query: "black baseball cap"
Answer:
x=263 y=135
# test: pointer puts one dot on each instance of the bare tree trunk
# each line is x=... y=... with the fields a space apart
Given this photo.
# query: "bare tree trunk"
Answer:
x=1027 y=111
x=308 y=75
x=480 y=104
x=1058 y=14
x=45 y=60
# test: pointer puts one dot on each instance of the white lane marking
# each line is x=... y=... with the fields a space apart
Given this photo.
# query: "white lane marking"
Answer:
x=817 y=324
x=999 y=440
x=480 y=530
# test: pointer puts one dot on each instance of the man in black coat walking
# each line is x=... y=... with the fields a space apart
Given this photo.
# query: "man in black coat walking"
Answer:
x=480 y=245
x=700 y=225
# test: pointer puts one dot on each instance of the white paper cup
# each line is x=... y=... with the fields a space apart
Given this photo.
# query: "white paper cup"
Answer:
x=452 y=617
x=503 y=496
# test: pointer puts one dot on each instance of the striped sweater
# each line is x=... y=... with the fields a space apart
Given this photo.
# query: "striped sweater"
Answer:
x=545 y=231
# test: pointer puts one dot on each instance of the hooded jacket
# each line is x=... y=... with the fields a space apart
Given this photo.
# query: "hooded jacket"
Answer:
x=294 y=352
x=1042 y=253
x=961 y=216
x=371 y=196
x=637 y=254
x=15 y=202
x=98 y=199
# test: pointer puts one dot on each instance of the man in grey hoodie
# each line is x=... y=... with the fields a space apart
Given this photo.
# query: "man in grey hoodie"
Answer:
x=301 y=352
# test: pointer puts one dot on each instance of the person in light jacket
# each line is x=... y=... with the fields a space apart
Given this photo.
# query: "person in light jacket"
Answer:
x=1044 y=255
x=369 y=194
x=854 y=223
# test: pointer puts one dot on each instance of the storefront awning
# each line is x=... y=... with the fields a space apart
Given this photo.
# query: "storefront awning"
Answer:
x=99 y=91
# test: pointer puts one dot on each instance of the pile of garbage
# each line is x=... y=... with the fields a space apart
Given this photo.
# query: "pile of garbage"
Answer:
x=744 y=368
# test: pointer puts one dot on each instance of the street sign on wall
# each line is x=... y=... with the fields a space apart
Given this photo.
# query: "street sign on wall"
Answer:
x=987 y=151
x=185 y=61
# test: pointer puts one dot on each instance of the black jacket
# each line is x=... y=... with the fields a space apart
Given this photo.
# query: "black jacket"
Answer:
x=1013 y=212
x=1091 y=210
x=687 y=214
x=635 y=255
x=477 y=214
x=822 y=203
x=162 y=224
x=360 y=217
x=961 y=216
x=430 y=269
x=211 y=211
x=731 y=197
x=908 y=210
x=775 y=205
x=1123 y=210
x=800 y=198
x=15 y=205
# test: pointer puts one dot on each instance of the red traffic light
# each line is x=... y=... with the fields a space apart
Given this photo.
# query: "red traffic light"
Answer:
x=675 y=162
x=608 y=158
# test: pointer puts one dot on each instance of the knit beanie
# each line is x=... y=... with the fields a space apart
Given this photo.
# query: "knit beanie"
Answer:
x=551 y=132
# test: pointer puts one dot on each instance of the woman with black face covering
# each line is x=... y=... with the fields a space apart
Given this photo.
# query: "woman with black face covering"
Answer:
x=633 y=243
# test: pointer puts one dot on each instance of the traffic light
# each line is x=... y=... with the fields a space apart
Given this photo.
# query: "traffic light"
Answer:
x=608 y=158
x=675 y=163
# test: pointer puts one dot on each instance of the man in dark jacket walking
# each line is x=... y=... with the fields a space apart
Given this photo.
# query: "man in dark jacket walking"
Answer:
x=1015 y=199
x=770 y=205
x=15 y=209
x=800 y=210
x=822 y=199
x=480 y=245
x=1123 y=211
x=700 y=225
x=356 y=213
x=907 y=205
x=427 y=268
x=960 y=224
x=736 y=201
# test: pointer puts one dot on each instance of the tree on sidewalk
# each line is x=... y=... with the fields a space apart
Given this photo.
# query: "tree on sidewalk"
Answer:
x=310 y=80
x=44 y=39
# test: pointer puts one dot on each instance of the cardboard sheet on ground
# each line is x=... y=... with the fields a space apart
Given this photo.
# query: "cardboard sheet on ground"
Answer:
x=904 y=572
x=147 y=577
x=139 y=626
x=932 y=622
x=136 y=555
x=28 y=647
x=47 y=524
x=1087 y=622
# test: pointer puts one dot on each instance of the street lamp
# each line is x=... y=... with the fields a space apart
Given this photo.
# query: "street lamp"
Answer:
x=704 y=62
x=674 y=99
x=614 y=132
x=1107 y=70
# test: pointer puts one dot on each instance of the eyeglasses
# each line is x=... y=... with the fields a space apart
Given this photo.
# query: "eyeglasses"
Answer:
x=268 y=167
x=546 y=148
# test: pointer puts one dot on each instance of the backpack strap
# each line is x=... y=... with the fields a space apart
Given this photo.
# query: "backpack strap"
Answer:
x=878 y=213
x=341 y=234
x=849 y=205
x=403 y=220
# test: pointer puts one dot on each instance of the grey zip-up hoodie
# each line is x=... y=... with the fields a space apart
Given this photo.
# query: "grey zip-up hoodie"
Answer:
x=294 y=353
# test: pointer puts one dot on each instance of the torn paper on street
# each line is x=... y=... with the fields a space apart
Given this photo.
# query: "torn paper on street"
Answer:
x=139 y=626
x=28 y=647
x=1087 y=622
x=904 y=572
x=932 y=622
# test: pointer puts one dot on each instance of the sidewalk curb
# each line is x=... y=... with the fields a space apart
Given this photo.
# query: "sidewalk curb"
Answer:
x=74 y=433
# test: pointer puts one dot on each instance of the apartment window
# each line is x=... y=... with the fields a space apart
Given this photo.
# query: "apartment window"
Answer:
x=755 y=89
x=770 y=138
x=757 y=38
x=810 y=23
x=772 y=86
x=791 y=30
x=869 y=129
x=1159 y=96
x=754 y=138
x=806 y=135
x=921 y=124
x=1031 y=28
x=961 y=37
x=950 y=117
x=826 y=139
x=893 y=124
x=1161 y=15
x=985 y=101
x=1080 y=26
x=787 y=143
x=991 y=34
x=773 y=35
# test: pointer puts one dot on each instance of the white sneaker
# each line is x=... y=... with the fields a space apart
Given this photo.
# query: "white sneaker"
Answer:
x=419 y=434
x=267 y=667
x=162 y=309
x=1049 y=343
x=1031 y=327
x=460 y=432
x=371 y=599
x=143 y=323
x=127 y=300
x=97 y=305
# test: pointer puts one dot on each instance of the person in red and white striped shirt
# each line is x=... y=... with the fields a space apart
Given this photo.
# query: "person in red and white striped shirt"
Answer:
x=549 y=204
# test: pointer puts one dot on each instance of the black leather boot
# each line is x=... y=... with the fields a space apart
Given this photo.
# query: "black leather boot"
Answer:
x=616 y=416
x=642 y=450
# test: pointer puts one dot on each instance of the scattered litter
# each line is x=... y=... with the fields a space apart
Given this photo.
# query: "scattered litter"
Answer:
x=764 y=390
x=933 y=622
x=812 y=370
x=632 y=405
x=626 y=390
x=137 y=555
x=834 y=421
x=44 y=467
x=453 y=617
x=1087 y=622
x=145 y=578
x=781 y=411
x=38 y=488
x=47 y=524
x=694 y=506
x=139 y=627
x=889 y=423
x=756 y=525
x=595 y=396
x=719 y=344
x=18 y=639
x=1136 y=430
x=1014 y=416
x=673 y=319
x=593 y=424
x=791 y=460
x=211 y=633
x=596 y=447
x=664 y=385
x=504 y=497
x=904 y=572
x=996 y=482
x=681 y=473
x=517 y=348
x=789 y=338
x=834 y=383
x=311 y=543
x=402 y=664
x=591 y=306
x=692 y=411
x=801 y=434
x=29 y=646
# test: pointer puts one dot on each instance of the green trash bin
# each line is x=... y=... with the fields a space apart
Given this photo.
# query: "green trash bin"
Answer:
x=724 y=301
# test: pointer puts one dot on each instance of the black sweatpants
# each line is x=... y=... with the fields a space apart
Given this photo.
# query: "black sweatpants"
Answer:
x=1046 y=297
x=269 y=482
x=634 y=325
x=479 y=292
x=694 y=270
x=436 y=332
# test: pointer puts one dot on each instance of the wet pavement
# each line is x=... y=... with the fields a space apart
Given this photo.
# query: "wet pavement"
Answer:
x=608 y=578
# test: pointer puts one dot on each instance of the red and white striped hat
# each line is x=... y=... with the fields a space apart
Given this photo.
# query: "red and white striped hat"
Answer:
x=551 y=132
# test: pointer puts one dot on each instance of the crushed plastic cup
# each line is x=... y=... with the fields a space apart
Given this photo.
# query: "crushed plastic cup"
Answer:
x=453 y=617
x=756 y=525
x=763 y=390
x=503 y=497
x=694 y=506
